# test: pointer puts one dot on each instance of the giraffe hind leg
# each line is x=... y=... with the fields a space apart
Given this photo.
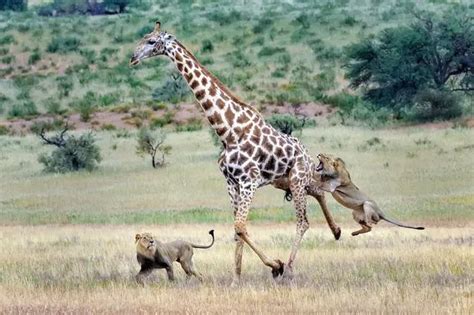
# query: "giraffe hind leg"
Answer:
x=247 y=191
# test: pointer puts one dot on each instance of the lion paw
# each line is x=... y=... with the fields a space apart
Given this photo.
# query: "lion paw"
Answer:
x=276 y=272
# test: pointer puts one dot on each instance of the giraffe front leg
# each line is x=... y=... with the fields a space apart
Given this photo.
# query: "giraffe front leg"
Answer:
x=247 y=190
x=233 y=191
x=302 y=226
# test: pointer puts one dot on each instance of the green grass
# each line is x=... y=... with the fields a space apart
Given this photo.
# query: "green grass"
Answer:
x=417 y=175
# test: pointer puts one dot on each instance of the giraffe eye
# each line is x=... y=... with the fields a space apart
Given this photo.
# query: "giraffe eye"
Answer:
x=152 y=42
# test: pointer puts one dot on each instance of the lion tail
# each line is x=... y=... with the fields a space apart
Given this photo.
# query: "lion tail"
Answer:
x=211 y=232
x=402 y=225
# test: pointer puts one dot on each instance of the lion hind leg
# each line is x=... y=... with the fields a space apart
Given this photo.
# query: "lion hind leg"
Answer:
x=365 y=229
x=189 y=269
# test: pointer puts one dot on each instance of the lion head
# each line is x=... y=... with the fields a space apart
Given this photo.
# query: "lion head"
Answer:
x=146 y=245
x=331 y=167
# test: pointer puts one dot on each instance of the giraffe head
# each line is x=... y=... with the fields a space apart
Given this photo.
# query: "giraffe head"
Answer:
x=153 y=44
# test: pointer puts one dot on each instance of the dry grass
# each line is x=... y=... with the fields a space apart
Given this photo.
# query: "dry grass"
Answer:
x=48 y=265
x=90 y=269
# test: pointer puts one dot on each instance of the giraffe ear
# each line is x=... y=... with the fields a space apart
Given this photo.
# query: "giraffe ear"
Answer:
x=157 y=26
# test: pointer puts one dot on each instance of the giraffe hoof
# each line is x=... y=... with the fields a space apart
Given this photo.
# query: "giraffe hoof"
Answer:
x=337 y=233
x=276 y=272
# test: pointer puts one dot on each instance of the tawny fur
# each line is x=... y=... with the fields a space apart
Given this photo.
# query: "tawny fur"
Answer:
x=335 y=178
x=153 y=254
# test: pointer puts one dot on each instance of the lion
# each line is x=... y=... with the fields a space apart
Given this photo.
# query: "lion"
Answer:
x=336 y=179
x=153 y=254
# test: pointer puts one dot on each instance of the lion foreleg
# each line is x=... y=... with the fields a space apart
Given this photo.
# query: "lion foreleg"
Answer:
x=142 y=274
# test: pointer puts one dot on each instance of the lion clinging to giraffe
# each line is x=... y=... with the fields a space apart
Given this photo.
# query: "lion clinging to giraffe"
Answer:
x=255 y=154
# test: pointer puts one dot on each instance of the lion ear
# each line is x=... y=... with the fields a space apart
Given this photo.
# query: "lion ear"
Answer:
x=137 y=237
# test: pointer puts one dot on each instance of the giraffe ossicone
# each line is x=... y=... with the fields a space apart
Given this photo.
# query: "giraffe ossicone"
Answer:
x=255 y=154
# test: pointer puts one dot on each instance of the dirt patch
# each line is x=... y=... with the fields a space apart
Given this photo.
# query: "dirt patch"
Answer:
x=180 y=115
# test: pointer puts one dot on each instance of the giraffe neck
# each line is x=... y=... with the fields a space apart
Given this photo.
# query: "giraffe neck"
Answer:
x=228 y=116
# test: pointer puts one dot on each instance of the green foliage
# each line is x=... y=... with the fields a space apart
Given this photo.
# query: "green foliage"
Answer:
x=207 y=46
x=431 y=104
x=193 y=125
x=53 y=107
x=34 y=57
x=173 y=90
x=77 y=153
x=65 y=85
x=117 y=6
x=26 y=110
x=401 y=62
x=64 y=44
x=159 y=122
x=13 y=5
x=7 y=39
x=86 y=106
x=270 y=51
x=151 y=142
x=286 y=123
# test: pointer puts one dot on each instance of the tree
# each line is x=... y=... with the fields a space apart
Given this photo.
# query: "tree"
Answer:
x=14 y=5
x=71 y=154
x=433 y=53
x=152 y=142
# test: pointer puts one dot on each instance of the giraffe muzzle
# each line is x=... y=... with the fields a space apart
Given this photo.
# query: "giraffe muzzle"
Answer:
x=134 y=61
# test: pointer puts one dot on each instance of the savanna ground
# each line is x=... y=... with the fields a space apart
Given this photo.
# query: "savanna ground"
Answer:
x=67 y=241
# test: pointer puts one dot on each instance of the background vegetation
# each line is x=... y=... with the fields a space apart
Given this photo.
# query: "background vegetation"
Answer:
x=268 y=52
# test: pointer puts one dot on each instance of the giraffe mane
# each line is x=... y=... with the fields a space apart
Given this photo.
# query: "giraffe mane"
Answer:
x=218 y=82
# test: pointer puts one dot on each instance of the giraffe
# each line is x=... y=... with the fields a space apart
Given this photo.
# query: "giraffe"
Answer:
x=255 y=154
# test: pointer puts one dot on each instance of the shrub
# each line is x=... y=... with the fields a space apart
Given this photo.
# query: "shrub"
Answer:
x=86 y=106
x=173 y=90
x=269 y=51
x=14 y=5
x=207 y=46
x=34 y=57
x=7 y=40
x=65 y=85
x=53 y=107
x=193 y=125
x=63 y=45
x=286 y=123
x=26 y=110
x=74 y=154
x=152 y=143
x=433 y=104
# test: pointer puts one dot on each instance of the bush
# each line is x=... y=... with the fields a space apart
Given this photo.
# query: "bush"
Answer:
x=77 y=153
x=152 y=143
x=64 y=45
x=270 y=51
x=87 y=106
x=207 y=46
x=433 y=104
x=34 y=57
x=26 y=110
x=14 y=5
x=173 y=90
x=7 y=39
x=286 y=123
x=65 y=85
